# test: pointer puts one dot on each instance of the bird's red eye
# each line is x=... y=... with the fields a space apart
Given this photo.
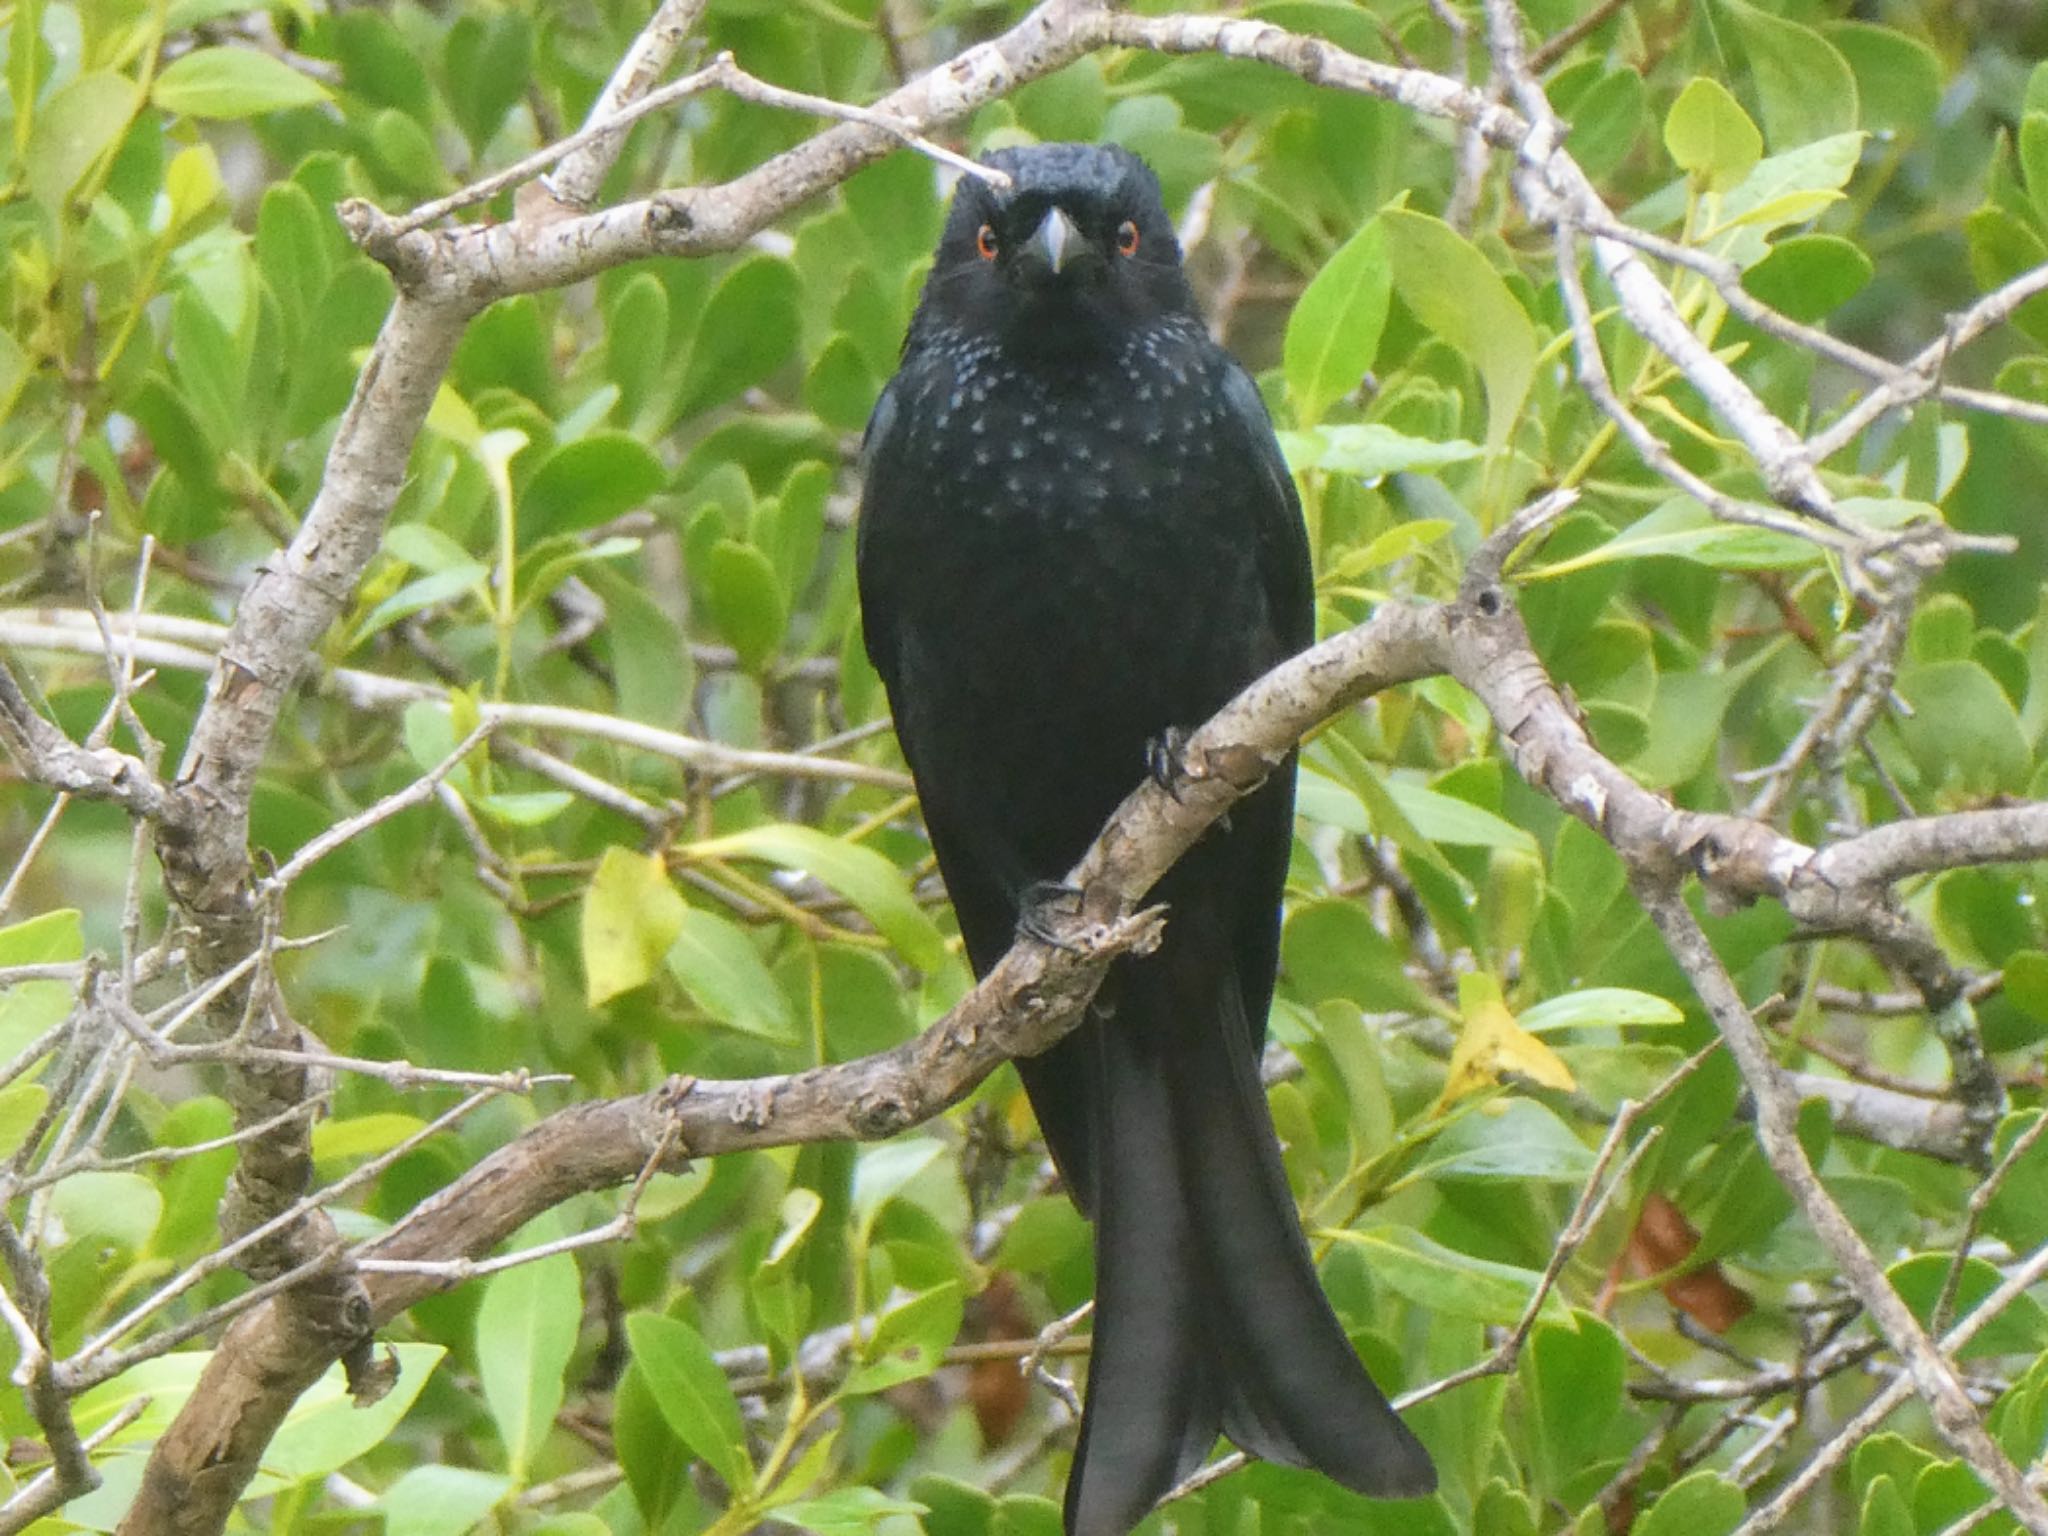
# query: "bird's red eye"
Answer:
x=985 y=242
x=1127 y=238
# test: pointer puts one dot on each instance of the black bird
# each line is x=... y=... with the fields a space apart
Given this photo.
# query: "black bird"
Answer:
x=1076 y=536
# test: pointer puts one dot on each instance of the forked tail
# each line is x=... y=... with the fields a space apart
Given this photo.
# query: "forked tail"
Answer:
x=1208 y=1312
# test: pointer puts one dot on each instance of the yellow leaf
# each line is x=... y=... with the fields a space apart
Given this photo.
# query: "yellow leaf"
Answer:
x=631 y=915
x=1492 y=1044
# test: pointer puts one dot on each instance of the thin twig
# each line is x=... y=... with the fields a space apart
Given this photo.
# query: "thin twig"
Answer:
x=418 y=792
x=722 y=73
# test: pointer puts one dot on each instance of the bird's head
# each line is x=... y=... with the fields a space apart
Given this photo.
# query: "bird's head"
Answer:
x=1077 y=250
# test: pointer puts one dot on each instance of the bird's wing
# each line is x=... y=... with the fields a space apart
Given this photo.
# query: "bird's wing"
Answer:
x=1262 y=826
x=1282 y=536
x=876 y=605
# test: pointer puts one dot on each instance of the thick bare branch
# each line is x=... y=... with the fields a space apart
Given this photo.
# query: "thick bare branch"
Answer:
x=45 y=755
x=582 y=171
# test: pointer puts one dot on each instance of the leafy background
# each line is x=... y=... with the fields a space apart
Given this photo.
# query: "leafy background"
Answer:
x=634 y=500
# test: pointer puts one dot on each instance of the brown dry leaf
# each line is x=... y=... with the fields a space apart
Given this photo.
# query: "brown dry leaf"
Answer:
x=1662 y=1241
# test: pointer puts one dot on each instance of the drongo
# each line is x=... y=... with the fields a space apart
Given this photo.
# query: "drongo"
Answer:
x=1077 y=536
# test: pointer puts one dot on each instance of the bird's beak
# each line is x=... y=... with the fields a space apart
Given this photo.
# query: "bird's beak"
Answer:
x=1058 y=243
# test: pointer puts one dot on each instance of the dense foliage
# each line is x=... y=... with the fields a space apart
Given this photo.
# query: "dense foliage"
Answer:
x=633 y=502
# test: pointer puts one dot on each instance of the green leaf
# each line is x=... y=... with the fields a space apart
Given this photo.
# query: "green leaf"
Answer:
x=166 y=1383
x=192 y=182
x=209 y=366
x=1898 y=77
x=1885 y=1511
x=844 y=1511
x=1809 y=276
x=744 y=600
x=651 y=664
x=749 y=326
x=1947 y=1492
x=631 y=915
x=1607 y=121
x=589 y=481
x=547 y=564
x=693 y=1394
x=909 y=1341
x=106 y=1208
x=2026 y=982
x=1455 y=291
x=657 y=1473
x=1963 y=729
x=403 y=152
x=1683 y=528
x=378 y=64
x=294 y=250
x=800 y=1208
x=953 y=1508
x=1363 y=803
x=1574 y=1379
x=636 y=346
x=2018 y=1213
x=1370 y=451
x=1446 y=819
x=875 y=886
x=1524 y=1141
x=471 y=579
x=895 y=205
x=1504 y=1511
x=81 y=121
x=2020 y=1418
x=488 y=62
x=233 y=82
x=1600 y=1008
x=1887 y=1455
x=1710 y=137
x=790 y=528
x=2021 y=1329
x=1332 y=949
x=570 y=1523
x=21 y=1105
x=1396 y=544
x=2033 y=147
x=526 y=1330
x=840 y=388
x=1443 y=1280
x=880 y=1172
x=339 y=1141
x=1704 y=1504
x=326 y=1429
x=441 y=1501
x=1334 y=331
x=2001 y=248
x=1805 y=87
x=1787 y=188
x=718 y=965
x=1026 y=1514
x=55 y=937
x=29 y=62
x=525 y=808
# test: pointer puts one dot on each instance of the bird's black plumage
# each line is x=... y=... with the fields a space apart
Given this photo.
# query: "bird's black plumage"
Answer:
x=1076 y=533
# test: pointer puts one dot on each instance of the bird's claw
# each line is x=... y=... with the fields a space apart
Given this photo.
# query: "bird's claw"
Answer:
x=1048 y=912
x=1166 y=760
